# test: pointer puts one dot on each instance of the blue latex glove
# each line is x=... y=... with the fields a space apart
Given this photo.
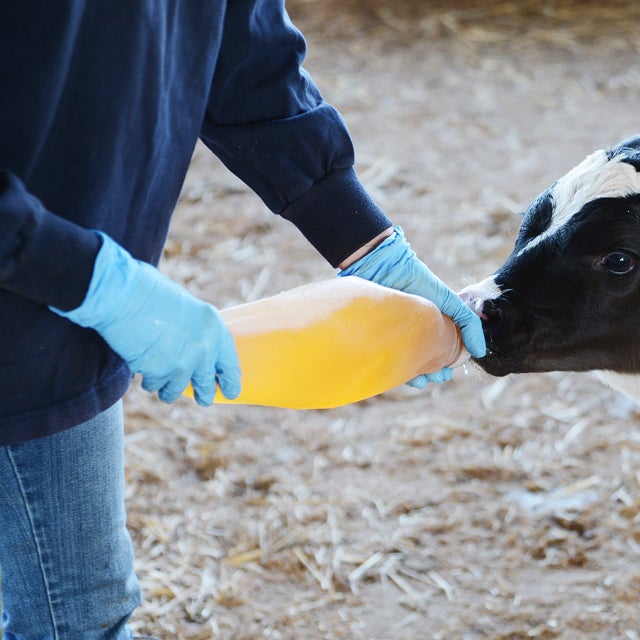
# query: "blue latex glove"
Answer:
x=394 y=264
x=158 y=328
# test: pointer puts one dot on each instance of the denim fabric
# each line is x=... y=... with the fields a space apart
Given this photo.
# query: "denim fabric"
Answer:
x=65 y=553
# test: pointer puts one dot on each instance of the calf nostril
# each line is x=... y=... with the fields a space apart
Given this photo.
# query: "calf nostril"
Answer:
x=490 y=314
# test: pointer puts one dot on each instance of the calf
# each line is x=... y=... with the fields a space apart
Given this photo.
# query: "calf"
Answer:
x=568 y=297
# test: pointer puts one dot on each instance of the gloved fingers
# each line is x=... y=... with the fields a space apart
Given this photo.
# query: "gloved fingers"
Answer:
x=444 y=375
x=469 y=323
x=152 y=384
x=473 y=335
x=221 y=367
x=228 y=373
x=169 y=385
x=172 y=386
x=203 y=382
x=173 y=389
x=229 y=381
x=420 y=382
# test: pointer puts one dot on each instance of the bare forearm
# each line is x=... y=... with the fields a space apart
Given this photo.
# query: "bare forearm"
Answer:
x=369 y=246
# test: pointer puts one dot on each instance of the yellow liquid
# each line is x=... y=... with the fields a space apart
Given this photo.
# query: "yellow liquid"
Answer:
x=335 y=342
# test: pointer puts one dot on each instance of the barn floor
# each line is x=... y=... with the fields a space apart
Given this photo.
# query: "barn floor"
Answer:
x=498 y=509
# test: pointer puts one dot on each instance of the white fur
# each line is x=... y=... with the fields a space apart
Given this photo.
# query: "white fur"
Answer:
x=595 y=177
x=475 y=295
x=626 y=383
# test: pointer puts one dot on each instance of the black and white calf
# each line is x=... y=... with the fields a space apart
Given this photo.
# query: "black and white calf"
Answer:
x=568 y=297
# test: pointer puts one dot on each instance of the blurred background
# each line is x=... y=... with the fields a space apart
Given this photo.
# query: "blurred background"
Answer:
x=484 y=508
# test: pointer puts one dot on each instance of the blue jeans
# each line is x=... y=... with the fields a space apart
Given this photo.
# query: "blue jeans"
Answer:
x=65 y=553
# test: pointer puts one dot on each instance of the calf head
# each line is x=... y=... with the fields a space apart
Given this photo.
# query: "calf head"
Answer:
x=568 y=297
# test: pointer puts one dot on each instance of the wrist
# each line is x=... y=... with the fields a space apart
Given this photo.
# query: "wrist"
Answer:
x=366 y=248
x=113 y=282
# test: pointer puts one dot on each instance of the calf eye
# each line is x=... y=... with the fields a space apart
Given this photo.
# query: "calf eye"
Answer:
x=618 y=263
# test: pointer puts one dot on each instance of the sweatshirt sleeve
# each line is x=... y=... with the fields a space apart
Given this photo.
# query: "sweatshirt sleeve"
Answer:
x=43 y=257
x=267 y=121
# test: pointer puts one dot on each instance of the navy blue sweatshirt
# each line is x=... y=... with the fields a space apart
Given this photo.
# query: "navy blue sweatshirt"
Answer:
x=101 y=105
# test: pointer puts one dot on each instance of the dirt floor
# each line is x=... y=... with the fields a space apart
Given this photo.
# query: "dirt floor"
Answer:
x=485 y=508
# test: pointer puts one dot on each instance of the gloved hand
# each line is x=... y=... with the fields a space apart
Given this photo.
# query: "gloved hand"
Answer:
x=394 y=264
x=158 y=328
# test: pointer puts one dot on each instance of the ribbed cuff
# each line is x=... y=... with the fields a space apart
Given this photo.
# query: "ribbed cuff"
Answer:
x=114 y=278
x=337 y=216
x=48 y=258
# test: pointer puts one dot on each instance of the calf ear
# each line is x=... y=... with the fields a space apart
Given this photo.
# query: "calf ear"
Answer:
x=629 y=149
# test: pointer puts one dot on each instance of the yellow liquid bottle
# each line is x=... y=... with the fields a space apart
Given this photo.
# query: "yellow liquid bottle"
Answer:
x=335 y=342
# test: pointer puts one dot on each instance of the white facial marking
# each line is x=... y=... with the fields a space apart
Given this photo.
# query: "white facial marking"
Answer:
x=475 y=295
x=595 y=177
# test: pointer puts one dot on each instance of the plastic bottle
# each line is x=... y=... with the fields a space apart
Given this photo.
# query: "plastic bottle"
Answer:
x=335 y=342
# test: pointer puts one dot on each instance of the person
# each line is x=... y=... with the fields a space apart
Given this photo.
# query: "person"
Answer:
x=101 y=107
